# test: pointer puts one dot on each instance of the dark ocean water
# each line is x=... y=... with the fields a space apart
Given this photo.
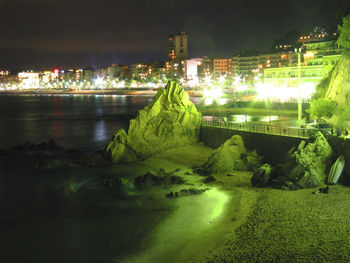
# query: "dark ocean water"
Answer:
x=74 y=121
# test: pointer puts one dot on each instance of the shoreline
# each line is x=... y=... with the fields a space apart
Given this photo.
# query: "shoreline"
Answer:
x=126 y=91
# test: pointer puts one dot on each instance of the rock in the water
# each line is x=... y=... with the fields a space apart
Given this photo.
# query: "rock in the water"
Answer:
x=171 y=120
x=231 y=156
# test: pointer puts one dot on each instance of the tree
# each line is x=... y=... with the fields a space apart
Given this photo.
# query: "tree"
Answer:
x=344 y=37
x=322 y=108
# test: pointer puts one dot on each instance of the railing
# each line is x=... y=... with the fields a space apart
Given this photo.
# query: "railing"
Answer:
x=260 y=128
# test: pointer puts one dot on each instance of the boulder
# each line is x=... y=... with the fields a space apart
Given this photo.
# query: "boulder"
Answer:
x=305 y=167
x=339 y=91
x=170 y=120
x=261 y=177
x=231 y=156
x=160 y=177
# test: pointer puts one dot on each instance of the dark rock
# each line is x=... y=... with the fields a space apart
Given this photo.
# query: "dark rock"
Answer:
x=55 y=164
x=322 y=191
x=94 y=160
x=209 y=179
x=192 y=191
x=261 y=177
x=158 y=178
x=305 y=167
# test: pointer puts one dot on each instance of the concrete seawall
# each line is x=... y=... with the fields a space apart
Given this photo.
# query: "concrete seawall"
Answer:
x=273 y=147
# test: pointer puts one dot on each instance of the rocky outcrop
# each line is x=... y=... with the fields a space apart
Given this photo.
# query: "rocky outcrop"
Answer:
x=339 y=91
x=305 y=167
x=170 y=120
x=231 y=156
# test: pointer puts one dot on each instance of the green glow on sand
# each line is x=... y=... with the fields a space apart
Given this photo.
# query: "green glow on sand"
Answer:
x=221 y=199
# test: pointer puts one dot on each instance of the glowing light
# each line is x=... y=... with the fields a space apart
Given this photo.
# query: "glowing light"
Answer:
x=284 y=93
x=207 y=79
x=212 y=95
x=222 y=79
x=99 y=81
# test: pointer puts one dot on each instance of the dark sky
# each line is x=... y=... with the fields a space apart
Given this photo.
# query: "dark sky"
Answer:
x=37 y=34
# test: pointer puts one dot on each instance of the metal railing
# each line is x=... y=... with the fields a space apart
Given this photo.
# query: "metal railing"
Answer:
x=260 y=128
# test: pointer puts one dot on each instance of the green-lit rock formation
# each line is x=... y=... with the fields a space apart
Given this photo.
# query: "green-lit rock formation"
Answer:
x=305 y=167
x=231 y=156
x=339 y=90
x=170 y=120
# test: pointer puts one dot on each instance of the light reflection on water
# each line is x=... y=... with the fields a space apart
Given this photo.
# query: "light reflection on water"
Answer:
x=73 y=121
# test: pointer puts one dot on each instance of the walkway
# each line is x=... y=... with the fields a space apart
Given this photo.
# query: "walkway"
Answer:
x=260 y=128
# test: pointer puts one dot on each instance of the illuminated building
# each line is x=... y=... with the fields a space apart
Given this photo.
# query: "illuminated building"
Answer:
x=175 y=69
x=222 y=67
x=191 y=70
x=318 y=60
x=46 y=77
x=178 y=46
x=116 y=71
x=245 y=65
x=139 y=70
x=205 y=68
x=284 y=47
x=87 y=74
x=28 y=80
x=156 y=69
x=4 y=73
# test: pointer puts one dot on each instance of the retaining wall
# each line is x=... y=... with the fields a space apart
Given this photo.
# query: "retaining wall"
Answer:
x=274 y=148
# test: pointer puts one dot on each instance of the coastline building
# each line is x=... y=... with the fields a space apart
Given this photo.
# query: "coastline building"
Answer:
x=178 y=46
x=191 y=70
x=28 y=80
x=205 y=68
x=318 y=59
x=222 y=67
x=138 y=71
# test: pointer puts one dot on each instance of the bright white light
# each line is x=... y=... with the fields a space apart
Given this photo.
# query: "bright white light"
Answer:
x=207 y=79
x=99 y=81
x=241 y=88
x=237 y=79
x=212 y=94
x=222 y=79
x=284 y=93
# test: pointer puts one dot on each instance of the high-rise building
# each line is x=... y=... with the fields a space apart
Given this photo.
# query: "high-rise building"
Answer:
x=178 y=46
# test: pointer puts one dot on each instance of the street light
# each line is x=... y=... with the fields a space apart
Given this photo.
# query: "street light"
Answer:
x=298 y=51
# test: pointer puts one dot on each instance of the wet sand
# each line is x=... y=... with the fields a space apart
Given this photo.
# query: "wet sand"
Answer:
x=46 y=218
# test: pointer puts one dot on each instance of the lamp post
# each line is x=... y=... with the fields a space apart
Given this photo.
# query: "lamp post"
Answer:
x=300 y=111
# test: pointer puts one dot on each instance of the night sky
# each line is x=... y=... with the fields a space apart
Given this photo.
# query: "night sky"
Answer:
x=38 y=34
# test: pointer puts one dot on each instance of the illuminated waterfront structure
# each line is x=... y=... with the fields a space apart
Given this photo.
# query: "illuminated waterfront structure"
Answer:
x=319 y=59
x=28 y=80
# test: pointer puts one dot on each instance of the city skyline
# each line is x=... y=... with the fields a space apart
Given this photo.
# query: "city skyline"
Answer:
x=45 y=34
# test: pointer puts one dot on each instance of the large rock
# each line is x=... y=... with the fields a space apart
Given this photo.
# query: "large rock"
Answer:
x=304 y=168
x=339 y=91
x=170 y=120
x=231 y=156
